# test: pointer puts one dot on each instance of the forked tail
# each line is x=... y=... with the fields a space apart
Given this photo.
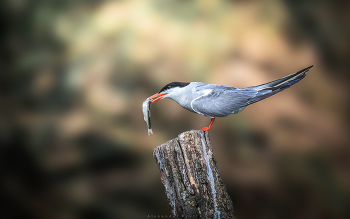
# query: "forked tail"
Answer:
x=273 y=87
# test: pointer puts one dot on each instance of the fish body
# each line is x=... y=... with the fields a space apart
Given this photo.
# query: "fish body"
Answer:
x=146 y=109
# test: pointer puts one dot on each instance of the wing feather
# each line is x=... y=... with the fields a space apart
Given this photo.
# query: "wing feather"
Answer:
x=222 y=101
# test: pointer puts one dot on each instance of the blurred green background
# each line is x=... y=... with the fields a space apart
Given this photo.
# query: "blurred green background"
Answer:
x=74 y=74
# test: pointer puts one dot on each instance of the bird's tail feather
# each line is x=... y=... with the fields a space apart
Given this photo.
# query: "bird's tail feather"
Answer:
x=273 y=87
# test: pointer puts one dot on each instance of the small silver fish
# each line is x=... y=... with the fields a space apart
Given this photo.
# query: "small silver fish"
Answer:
x=146 y=109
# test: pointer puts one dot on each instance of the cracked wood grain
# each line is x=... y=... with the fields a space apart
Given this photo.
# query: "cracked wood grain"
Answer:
x=188 y=171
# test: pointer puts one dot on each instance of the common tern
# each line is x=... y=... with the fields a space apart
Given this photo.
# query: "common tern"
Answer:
x=213 y=101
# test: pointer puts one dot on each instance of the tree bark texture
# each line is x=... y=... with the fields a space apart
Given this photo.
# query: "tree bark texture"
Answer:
x=193 y=185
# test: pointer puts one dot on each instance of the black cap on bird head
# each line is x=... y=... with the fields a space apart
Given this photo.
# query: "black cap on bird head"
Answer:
x=173 y=84
x=161 y=95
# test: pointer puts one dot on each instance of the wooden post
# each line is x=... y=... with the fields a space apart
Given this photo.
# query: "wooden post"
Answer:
x=193 y=185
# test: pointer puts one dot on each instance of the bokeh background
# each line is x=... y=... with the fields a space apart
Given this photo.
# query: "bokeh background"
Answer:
x=74 y=75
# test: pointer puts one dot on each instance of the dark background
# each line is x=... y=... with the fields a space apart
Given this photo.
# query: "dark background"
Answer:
x=74 y=74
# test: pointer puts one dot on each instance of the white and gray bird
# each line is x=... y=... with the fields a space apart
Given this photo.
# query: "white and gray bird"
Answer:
x=212 y=100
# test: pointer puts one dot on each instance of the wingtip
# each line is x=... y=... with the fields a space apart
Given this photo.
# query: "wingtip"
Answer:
x=306 y=69
x=309 y=67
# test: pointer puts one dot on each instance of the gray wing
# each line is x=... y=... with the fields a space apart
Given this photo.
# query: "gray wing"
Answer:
x=222 y=101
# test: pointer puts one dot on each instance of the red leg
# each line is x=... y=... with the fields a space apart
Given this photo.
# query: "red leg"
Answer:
x=209 y=127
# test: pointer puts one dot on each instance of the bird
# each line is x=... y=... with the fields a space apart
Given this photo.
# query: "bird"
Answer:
x=213 y=100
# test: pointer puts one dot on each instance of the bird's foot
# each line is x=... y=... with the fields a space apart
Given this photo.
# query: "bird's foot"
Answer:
x=209 y=127
x=205 y=129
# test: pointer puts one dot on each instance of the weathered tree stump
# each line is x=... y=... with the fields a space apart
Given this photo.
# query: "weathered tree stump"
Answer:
x=193 y=185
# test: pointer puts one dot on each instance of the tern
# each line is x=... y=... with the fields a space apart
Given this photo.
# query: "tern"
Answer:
x=213 y=101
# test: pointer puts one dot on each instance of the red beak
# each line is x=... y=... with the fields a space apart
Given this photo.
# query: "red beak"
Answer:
x=160 y=96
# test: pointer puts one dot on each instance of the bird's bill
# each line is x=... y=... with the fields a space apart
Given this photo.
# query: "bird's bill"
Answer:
x=158 y=95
